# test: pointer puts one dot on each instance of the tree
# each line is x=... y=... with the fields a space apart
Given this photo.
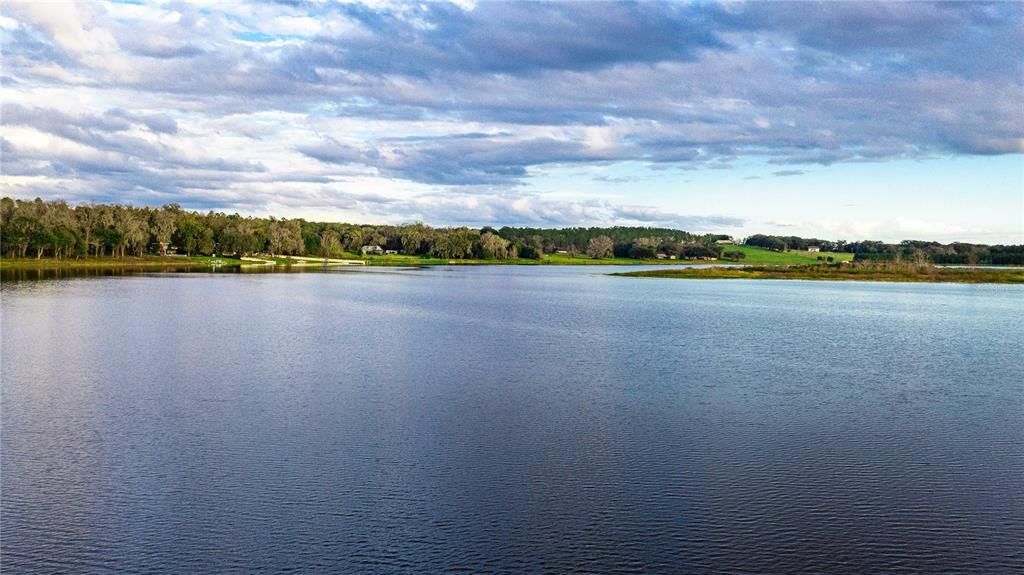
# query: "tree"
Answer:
x=735 y=255
x=642 y=251
x=775 y=244
x=352 y=239
x=163 y=226
x=493 y=247
x=206 y=244
x=699 y=251
x=40 y=238
x=19 y=233
x=328 y=243
x=189 y=232
x=132 y=230
x=527 y=251
x=63 y=241
x=600 y=247
x=412 y=237
x=88 y=217
x=453 y=244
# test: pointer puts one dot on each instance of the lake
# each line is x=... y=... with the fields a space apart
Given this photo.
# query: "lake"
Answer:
x=515 y=418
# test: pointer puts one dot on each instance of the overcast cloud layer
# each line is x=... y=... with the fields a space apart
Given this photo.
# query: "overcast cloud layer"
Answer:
x=456 y=113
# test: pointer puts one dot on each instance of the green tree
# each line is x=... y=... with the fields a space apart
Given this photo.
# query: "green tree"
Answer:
x=494 y=247
x=163 y=223
x=189 y=232
x=329 y=244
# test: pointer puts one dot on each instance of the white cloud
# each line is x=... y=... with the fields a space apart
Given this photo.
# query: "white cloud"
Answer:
x=438 y=112
x=68 y=23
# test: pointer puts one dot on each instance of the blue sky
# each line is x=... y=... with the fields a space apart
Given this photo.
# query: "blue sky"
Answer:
x=837 y=120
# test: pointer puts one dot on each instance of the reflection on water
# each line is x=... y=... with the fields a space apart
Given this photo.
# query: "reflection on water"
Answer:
x=22 y=274
x=509 y=419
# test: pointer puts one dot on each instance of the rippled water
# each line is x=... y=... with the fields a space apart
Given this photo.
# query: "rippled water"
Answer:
x=510 y=419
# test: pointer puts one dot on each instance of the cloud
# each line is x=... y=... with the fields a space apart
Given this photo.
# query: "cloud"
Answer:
x=67 y=24
x=516 y=38
x=451 y=102
x=648 y=215
x=900 y=228
x=458 y=159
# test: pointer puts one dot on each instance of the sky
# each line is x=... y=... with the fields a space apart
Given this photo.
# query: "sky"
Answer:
x=839 y=120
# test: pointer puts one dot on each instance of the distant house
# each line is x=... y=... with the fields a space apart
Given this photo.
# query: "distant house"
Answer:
x=813 y=248
x=390 y=252
x=372 y=251
x=660 y=255
x=563 y=252
x=724 y=242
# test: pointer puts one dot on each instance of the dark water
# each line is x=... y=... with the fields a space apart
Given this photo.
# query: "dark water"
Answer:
x=510 y=419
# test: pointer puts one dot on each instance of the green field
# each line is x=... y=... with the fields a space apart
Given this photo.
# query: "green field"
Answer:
x=761 y=256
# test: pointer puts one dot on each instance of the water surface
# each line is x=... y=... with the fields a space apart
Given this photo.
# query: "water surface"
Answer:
x=510 y=419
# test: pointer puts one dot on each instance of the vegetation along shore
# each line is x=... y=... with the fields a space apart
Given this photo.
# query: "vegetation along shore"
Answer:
x=38 y=234
x=866 y=271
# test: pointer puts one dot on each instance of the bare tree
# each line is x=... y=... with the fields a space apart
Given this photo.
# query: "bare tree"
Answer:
x=599 y=247
x=328 y=243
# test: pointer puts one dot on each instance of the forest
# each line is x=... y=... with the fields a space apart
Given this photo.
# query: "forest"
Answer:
x=956 y=253
x=54 y=229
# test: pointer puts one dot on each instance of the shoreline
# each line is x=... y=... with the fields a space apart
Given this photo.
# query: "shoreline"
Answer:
x=308 y=262
x=751 y=256
x=671 y=269
x=854 y=272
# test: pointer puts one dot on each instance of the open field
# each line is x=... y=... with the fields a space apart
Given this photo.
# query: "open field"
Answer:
x=844 y=272
x=761 y=256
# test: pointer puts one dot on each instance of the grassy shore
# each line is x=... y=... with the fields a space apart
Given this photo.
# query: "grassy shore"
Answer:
x=388 y=260
x=760 y=256
x=113 y=263
x=844 y=272
x=754 y=256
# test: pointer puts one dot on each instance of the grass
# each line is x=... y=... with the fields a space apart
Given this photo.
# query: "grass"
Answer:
x=755 y=256
x=111 y=262
x=584 y=260
x=761 y=256
x=547 y=259
x=844 y=272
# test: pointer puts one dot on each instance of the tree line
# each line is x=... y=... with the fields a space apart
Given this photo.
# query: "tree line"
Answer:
x=905 y=251
x=54 y=229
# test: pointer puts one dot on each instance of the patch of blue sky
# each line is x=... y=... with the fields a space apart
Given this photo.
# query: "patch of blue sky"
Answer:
x=941 y=189
x=253 y=36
